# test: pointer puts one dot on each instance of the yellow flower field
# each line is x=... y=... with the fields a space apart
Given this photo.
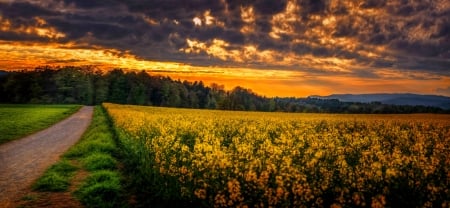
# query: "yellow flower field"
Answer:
x=255 y=159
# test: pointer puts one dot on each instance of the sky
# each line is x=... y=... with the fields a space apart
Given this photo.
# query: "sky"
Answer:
x=274 y=47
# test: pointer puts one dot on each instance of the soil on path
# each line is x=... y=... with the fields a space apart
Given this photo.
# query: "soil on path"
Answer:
x=23 y=161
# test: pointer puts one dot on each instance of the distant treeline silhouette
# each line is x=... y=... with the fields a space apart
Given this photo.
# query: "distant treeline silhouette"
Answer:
x=84 y=85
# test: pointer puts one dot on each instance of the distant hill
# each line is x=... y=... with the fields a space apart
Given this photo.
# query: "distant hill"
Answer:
x=2 y=73
x=393 y=99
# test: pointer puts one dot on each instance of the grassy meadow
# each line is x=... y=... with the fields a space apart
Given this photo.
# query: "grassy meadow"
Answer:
x=252 y=159
x=20 y=120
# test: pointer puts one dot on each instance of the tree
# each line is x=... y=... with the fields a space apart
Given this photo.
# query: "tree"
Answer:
x=118 y=88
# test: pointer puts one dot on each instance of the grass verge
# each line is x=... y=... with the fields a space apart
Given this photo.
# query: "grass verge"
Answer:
x=19 y=120
x=57 y=177
x=101 y=189
x=95 y=156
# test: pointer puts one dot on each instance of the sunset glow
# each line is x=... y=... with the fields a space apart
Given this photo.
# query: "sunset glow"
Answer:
x=281 y=48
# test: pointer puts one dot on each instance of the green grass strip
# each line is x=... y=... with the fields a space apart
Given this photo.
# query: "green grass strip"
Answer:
x=56 y=178
x=101 y=189
x=99 y=161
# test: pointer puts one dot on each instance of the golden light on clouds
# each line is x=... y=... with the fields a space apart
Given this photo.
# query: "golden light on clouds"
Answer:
x=275 y=82
x=249 y=53
x=284 y=22
x=248 y=17
x=285 y=48
x=247 y=14
x=40 y=28
x=197 y=21
x=209 y=20
x=329 y=20
x=30 y=55
x=150 y=21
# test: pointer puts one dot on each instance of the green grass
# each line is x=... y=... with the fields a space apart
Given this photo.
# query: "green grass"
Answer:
x=101 y=189
x=85 y=148
x=99 y=161
x=56 y=178
x=17 y=121
x=98 y=141
x=94 y=153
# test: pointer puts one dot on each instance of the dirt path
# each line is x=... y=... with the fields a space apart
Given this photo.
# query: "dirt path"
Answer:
x=23 y=161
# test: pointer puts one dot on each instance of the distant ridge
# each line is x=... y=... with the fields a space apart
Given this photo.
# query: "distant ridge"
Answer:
x=2 y=72
x=393 y=99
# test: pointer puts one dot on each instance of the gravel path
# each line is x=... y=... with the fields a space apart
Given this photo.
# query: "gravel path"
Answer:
x=22 y=161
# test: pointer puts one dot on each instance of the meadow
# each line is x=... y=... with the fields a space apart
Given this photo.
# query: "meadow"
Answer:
x=252 y=159
x=18 y=120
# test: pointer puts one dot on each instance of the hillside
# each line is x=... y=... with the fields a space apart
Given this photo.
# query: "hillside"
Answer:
x=393 y=99
x=3 y=73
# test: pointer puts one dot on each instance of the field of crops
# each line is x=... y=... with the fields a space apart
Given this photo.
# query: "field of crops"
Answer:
x=223 y=158
x=18 y=120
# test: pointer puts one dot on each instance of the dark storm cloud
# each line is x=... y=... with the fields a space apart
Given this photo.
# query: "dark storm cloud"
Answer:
x=313 y=7
x=382 y=64
x=89 y=4
x=12 y=36
x=22 y=14
x=173 y=9
x=269 y=7
x=158 y=29
x=74 y=29
x=23 y=10
x=373 y=4
x=18 y=17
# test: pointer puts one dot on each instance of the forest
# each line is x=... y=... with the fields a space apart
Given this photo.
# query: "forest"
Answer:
x=88 y=86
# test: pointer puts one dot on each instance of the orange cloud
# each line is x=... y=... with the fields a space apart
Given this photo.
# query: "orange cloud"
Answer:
x=274 y=82
x=40 y=28
x=284 y=22
x=18 y=55
x=207 y=19
x=250 y=54
x=248 y=17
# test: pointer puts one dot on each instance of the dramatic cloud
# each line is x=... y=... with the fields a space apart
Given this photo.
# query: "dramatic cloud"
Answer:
x=356 y=40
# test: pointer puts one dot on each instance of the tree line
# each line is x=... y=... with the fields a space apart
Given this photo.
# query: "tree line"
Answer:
x=85 y=85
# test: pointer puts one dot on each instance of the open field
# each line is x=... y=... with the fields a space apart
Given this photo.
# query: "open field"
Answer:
x=223 y=158
x=17 y=121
